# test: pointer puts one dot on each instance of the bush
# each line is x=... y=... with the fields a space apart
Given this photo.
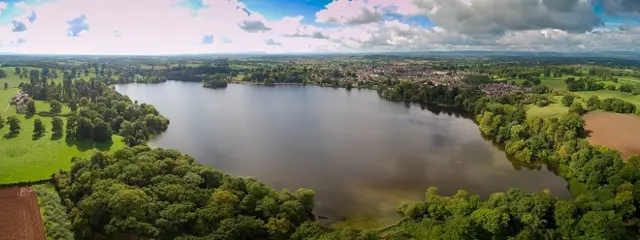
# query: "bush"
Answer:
x=56 y=222
x=567 y=100
x=542 y=103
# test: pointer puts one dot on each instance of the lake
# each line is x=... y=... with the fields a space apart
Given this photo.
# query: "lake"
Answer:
x=361 y=154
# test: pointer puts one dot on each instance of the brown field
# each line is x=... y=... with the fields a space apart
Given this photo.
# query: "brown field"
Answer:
x=614 y=130
x=20 y=215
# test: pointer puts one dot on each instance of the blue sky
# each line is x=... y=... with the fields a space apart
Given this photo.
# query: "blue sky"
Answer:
x=209 y=26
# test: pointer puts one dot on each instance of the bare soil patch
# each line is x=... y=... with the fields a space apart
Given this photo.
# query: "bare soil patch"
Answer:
x=20 y=215
x=614 y=130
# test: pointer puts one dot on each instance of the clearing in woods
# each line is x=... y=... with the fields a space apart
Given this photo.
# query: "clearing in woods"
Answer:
x=20 y=215
x=614 y=130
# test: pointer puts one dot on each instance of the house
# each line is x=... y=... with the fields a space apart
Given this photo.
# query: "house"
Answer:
x=20 y=99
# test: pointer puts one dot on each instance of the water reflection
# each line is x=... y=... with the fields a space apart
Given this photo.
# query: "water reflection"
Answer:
x=361 y=154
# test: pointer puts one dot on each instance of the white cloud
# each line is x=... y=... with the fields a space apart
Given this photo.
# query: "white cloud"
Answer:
x=349 y=12
x=164 y=27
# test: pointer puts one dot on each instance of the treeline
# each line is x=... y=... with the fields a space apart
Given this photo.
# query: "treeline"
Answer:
x=194 y=74
x=114 y=113
x=606 y=210
x=144 y=193
x=215 y=81
x=583 y=84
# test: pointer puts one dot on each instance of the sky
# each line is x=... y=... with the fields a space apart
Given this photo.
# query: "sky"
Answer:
x=141 y=27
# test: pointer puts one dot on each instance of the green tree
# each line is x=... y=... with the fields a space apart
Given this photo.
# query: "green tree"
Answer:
x=14 y=125
x=6 y=86
x=593 y=103
x=567 y=100
x=84 y=101
x=577 y=108
x=73 y=105
x=601 y=225
x=101 y=130
x=55 y=107
x=31 y=106
x=57 y=127
x=38 y=128
x=2 y=122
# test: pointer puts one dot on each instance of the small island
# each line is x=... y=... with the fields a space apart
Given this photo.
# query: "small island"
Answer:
x=215 y=81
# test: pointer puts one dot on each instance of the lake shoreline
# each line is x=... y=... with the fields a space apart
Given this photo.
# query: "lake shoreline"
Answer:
x=264 y=132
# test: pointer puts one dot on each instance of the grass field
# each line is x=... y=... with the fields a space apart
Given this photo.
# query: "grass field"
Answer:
x=554 y=108
x=603 y=94
x=554 y=82
x=24 y=159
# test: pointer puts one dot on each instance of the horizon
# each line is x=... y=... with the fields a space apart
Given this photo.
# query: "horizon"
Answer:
x=183 y=27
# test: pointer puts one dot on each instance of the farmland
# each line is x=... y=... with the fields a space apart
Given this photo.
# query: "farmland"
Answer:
x=615 y=131
x=21 y=218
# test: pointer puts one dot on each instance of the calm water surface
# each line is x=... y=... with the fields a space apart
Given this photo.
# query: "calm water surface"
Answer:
x=362 y=155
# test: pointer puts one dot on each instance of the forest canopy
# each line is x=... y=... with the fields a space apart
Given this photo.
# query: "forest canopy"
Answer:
x=144 y=193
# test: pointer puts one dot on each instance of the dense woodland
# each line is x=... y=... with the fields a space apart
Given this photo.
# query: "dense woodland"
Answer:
x=143 y=193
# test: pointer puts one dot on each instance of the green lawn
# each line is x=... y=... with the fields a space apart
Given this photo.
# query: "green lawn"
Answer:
x=24 y=159
x=554 y=82
x=554 y=108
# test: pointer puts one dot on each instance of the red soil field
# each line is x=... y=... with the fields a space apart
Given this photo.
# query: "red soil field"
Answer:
x=614 y=130
x=20 y=215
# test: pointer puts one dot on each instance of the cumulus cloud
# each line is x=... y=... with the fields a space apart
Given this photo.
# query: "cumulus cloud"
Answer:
x=349 y=12
x=207 y=39
x=499 y=16
x=253 y=26
x=18 y=26
x=77 y=25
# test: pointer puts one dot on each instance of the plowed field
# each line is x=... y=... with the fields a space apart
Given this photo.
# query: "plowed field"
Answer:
x=20 y=215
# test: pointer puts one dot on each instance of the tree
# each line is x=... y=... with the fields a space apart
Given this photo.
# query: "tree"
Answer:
x=57 y=127
x=84 y=101
x=567 y=100
x=542 y=103
x=601 y=225
x=38 y=128
x=101 y=130
x=6 y=86
x=31 y=106
x=593 y=103
x=14 y=125
x=577 y=108
x=55 y=107
x=3 y=74
x=2 y=122
x=540 y=89
x=73 y=105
